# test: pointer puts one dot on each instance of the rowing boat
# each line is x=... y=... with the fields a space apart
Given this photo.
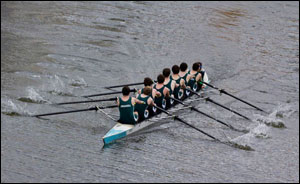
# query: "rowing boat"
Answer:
x=119 y=130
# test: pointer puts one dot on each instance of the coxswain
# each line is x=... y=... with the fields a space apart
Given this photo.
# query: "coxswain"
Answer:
x=126 y=105
x=142 y=109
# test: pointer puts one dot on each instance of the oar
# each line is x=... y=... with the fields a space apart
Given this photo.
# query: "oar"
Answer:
x=179 y=119
x=212 y=101
x=229 y=143
x=225 y=92
x=87 y=101
x=197 y=110
x=108 y=93
x=132 y=84
x=80 y=110
x=122 y=85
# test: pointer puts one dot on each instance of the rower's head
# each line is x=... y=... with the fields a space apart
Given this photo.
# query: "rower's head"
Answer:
x=148 y=81
x=175 y=69
x=196 y=66
x=166 y=72
x=147 y=90
x=125 y=91
x=183 y=66
x=160 y=79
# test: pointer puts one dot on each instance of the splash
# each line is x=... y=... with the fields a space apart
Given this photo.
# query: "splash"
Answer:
x=275 y=118
x=260 y=131
x=12 y=109
x=241 y=142
x=33 y=97
x=282 y=111
x=79 y=82
x=57 y=87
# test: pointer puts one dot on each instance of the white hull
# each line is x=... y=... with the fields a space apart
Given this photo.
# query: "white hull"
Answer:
x=122 y=130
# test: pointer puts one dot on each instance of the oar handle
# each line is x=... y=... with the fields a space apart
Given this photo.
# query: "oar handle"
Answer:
x=163 y=110
x=209 y=85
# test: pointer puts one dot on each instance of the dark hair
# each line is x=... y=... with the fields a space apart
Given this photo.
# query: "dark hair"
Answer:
x=166 y=72
x=147 y=90
x=160 y=78
x=183 y=66
x=125 y=90
x=148 y=81
x=175 y=69
x=196 y=66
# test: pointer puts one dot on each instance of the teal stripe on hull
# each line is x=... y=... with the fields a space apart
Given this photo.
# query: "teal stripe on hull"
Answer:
x=110 y=139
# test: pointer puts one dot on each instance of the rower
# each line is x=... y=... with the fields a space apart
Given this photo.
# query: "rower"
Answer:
x=178 y=92
x=164 y=91
x=126 y=107
x=184 y=74
x=142 y=109
x=195 y=77
x=149 y=82
x=170 y=84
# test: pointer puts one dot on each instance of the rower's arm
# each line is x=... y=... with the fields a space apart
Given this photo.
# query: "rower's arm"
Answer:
x=167 y=92
x=173 y=85
x=188 y=77
x=182 y=84
x=151 y=102
x=198 y=77
x=135 y=100
x=118 y=101
x=156 y=93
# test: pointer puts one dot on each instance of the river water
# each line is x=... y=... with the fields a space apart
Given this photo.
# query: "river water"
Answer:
x=58 y=51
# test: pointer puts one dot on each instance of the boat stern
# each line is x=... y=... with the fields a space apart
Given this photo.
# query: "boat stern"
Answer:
x=117 y=132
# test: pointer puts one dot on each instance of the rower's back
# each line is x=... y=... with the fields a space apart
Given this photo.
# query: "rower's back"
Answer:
x=142 y=109
x=184 y=72
x=160 y=87
x=126 y=108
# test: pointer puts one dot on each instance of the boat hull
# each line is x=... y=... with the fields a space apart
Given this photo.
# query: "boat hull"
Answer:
x=120 y=130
